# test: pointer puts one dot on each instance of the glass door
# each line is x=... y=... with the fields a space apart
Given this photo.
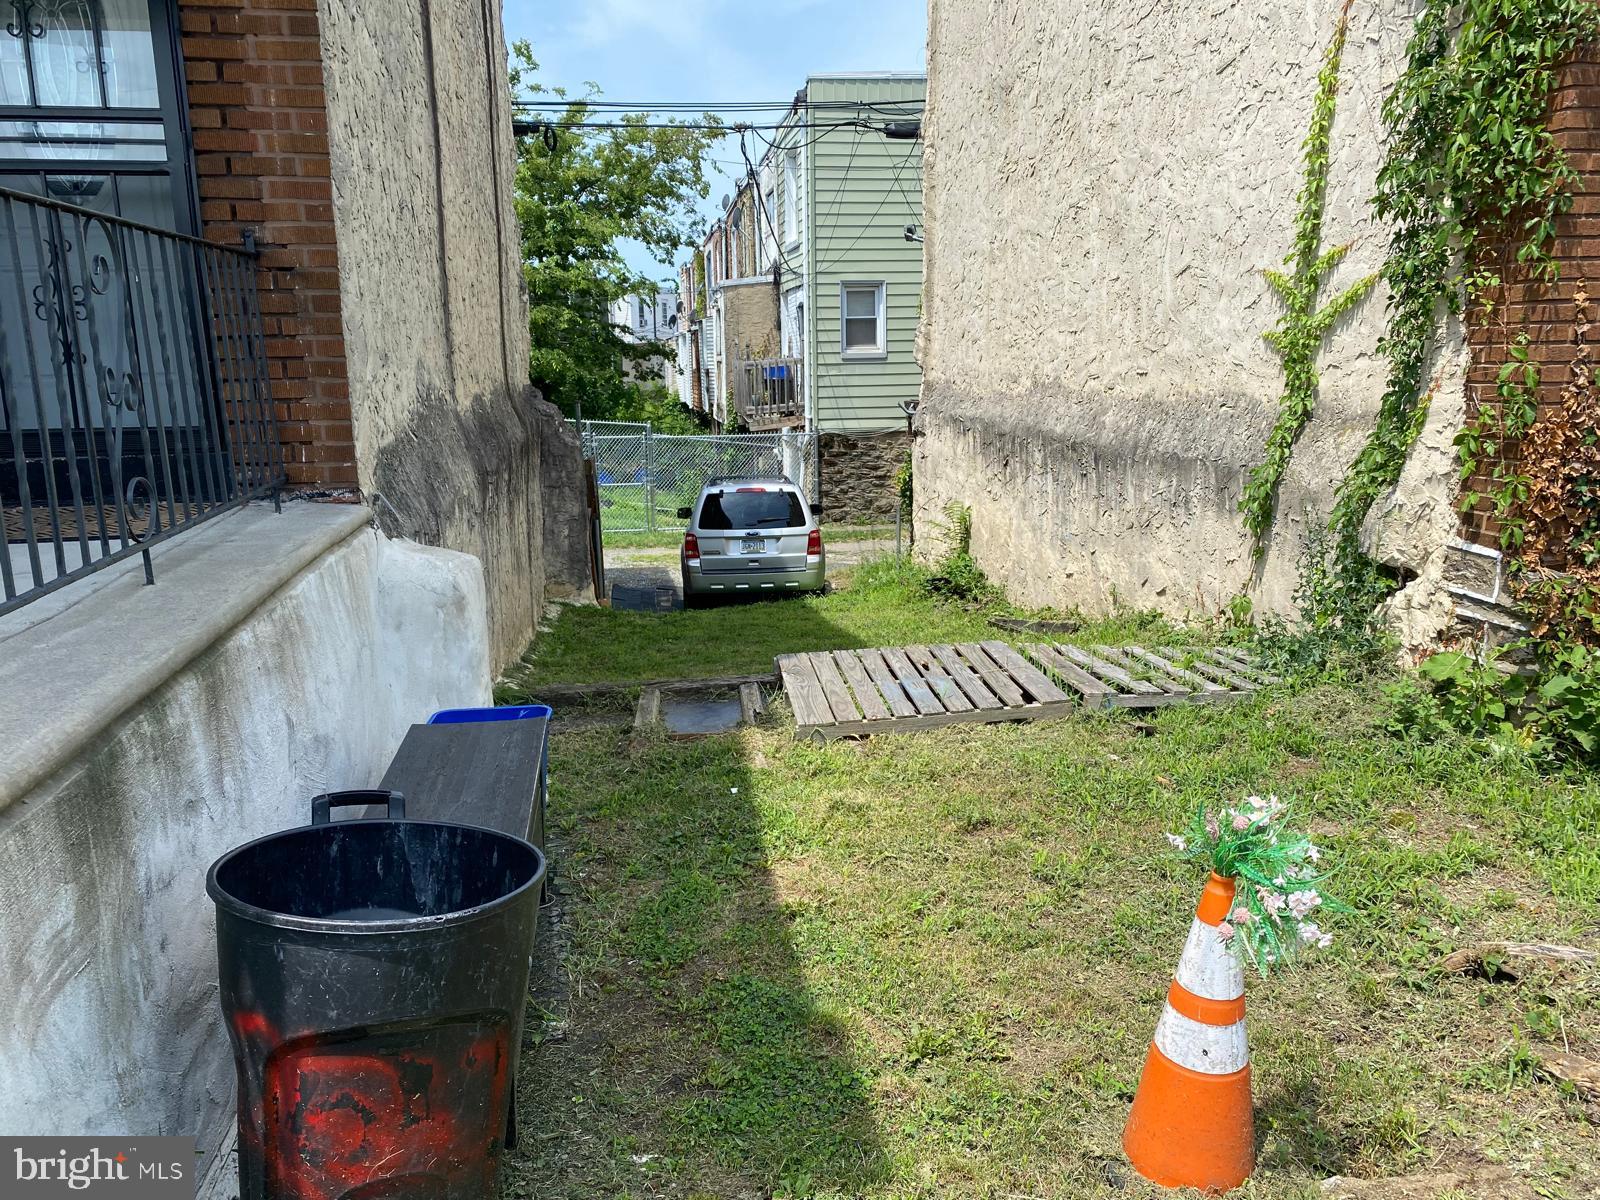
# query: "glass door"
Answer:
x=92 y=114
x=90 y=108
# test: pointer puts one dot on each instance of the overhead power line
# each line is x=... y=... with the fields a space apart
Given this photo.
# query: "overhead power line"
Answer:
x=657 y=106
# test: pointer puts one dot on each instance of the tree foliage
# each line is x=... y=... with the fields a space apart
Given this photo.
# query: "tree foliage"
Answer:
x=583 y=194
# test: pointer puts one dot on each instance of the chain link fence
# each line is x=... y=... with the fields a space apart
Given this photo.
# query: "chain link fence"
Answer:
x=644 y=477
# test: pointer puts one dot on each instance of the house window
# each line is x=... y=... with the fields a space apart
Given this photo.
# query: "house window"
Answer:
x=769 y=210
x=861 y=310
x=791 y=196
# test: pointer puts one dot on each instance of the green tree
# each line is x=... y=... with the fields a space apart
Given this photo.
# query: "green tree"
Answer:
x=581 y=195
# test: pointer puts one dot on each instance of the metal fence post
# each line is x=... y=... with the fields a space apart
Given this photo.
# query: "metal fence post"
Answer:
x=650 y=479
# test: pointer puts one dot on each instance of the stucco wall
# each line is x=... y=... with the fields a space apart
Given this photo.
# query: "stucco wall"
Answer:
x=109 y=1019
x=1103 y=189
x=435 y=310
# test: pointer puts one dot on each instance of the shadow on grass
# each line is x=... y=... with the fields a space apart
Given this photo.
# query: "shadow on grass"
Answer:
x=681 y=1049
x=1290 y=1118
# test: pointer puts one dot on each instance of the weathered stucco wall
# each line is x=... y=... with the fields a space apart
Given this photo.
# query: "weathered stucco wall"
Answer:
x=109 y=1020
x=1103 y=188
x=435 y=311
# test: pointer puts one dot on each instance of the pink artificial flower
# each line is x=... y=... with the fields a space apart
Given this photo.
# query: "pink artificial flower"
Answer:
x=1225 y=932
x=1177 y=842
x=1213 y=829
x=1273 y=902
x=1241 y=916
x=1302 y=902
x=1311 y=935
x=1241 y=822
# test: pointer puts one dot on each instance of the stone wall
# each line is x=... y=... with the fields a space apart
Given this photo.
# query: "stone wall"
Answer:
x=1103 y=189
x=858 y=476
x=447 y=428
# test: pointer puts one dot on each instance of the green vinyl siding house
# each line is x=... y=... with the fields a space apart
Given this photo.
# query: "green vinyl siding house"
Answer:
x=852 y=281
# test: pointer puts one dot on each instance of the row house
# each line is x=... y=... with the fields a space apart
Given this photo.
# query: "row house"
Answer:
x=648 y=320
x=812 y=279
x=274 y=485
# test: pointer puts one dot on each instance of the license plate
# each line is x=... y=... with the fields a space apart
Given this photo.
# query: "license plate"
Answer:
x=752 y=545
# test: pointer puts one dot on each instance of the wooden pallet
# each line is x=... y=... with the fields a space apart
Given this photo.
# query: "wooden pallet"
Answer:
x=851 y=693
x=1133 y=677
x=854 y=693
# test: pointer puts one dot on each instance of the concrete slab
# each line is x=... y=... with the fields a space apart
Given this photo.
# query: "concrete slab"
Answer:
x=73 y=662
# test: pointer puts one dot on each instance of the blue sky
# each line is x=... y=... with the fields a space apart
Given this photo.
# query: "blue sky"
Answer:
x=714 y=50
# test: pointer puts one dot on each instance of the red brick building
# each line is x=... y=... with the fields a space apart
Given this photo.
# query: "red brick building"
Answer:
x=362 y=152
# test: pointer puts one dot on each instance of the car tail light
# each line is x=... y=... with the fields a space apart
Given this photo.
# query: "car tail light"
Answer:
x=691 y=548
x=814 y=544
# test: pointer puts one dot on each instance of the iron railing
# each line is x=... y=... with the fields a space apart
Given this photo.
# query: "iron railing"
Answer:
x=768 y=393
x=134 y=397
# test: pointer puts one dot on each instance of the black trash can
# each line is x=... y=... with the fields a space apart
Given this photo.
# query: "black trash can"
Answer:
x=373 y=979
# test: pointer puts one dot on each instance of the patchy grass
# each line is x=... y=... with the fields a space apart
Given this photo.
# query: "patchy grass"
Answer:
x=673 y=538
x=880 y=603
x=930 y=965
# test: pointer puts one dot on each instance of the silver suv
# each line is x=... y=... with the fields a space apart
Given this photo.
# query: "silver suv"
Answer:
x=751 y=535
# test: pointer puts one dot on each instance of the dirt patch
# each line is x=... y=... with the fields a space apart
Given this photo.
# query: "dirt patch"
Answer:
x=1481 y=1181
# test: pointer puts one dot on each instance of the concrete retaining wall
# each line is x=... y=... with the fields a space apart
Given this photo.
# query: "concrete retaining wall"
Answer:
x=108 y=1008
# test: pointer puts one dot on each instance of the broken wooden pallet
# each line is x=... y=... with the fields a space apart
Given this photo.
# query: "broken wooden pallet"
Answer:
x=1133 y=677
x=852 y=693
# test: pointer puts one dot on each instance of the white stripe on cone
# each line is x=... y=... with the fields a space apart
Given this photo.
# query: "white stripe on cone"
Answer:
x=1207 y=968
x=1212 y=1049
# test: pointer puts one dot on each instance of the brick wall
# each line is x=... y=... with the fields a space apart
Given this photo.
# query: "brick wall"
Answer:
x=254 y=70
x=1543 y=311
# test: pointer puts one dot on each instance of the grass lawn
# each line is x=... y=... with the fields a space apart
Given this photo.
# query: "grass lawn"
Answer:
x=876 y=604
x=930 y=965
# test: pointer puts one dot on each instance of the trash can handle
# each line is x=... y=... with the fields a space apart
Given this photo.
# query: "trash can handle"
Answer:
x=323 y=805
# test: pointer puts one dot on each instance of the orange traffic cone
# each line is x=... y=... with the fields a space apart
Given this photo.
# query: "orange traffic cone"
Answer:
x=1191 y=1124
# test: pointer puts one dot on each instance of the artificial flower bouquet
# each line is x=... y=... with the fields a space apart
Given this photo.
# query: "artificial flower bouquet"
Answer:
x=1278 y=879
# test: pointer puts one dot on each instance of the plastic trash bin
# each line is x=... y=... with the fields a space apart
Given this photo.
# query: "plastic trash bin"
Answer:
x=373 y=978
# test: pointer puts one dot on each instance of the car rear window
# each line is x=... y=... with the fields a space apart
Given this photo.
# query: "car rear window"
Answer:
x=752 y=510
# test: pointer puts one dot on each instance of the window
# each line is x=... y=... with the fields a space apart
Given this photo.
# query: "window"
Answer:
x=791 y=196
x=768 y=213
x=744 y=509
x=861 y=320
x=644 y=318
x=90 y=94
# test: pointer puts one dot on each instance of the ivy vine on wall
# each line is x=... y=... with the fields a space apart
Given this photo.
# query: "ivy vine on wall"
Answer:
x=1469 y=161
x=1300 y=332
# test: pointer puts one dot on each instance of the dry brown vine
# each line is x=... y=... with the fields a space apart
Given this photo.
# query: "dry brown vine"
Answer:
x=1558 y=571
